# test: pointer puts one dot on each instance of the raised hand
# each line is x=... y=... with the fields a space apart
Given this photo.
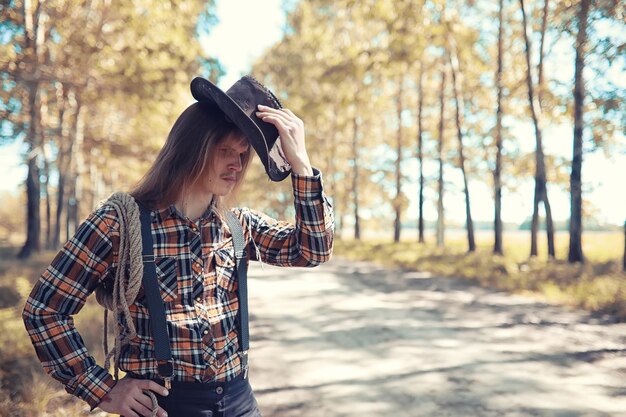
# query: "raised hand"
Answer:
x=291 y=131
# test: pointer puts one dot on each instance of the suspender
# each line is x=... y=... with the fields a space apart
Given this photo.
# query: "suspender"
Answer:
x=158 y=323
x=241 y=267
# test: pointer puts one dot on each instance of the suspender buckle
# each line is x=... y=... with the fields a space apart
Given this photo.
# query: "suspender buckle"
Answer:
x=147 y=258
x=165 y=369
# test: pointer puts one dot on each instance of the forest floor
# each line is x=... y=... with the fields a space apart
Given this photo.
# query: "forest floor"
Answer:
x=351 y=338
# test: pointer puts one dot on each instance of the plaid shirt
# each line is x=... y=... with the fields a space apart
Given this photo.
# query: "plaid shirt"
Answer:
x=195 y=268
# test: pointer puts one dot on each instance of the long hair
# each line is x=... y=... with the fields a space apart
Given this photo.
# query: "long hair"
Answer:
x=187 y=155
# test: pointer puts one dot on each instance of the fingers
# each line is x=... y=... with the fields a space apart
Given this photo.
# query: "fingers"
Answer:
x=141 y=409
x=284 y=115
x=146 y=384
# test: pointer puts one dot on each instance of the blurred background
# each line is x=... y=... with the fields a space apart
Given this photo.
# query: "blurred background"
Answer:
x=474 y=138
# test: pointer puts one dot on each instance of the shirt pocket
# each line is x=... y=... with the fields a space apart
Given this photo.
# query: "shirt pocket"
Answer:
x=226 y=277
x=167 y=277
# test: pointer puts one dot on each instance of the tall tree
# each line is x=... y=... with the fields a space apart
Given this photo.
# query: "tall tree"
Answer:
x=541 y=191
x=420 y=149
x=497 y=172
x=440 y=156
x=575 y=253
x=397 y=224
x=33 y=55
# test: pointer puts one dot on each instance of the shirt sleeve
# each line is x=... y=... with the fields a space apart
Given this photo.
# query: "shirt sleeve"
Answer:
x=308 y=242
x=60 y=293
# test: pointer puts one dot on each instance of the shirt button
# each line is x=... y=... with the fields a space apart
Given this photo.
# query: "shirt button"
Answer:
x=219 y=390
x=199 y=299
x=205 y=332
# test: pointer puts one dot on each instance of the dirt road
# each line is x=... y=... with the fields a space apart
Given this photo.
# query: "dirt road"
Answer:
x=352 y=339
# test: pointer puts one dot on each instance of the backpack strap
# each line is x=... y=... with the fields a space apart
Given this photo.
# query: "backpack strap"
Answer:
x=158 y=323
x=241 y=267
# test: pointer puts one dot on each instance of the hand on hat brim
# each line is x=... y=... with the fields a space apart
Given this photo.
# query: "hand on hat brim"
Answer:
x=292 y=138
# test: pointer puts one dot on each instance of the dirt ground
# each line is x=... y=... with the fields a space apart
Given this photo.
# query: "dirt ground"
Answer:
x=353 y=339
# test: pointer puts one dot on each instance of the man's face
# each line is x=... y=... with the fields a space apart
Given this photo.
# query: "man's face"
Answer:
x=227 y=165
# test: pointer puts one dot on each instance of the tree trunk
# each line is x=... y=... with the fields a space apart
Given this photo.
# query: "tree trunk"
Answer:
x=575 y=253
x=624 y=260
x=420 y=152
x=33 y=185
x=541 y=192
x=397 y=224
x=355 y=175
x=32 y=44
x=46 y=168
x=63 y=163
x=330 y=163
x=440 y=184
x=75 y=189
x=458 y=100
x=497 y=173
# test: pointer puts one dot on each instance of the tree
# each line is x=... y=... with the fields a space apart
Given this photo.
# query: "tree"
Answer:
x=497 y=172
x=541 y=191
x=420 y=149
x=440 y=161
x=575 y=253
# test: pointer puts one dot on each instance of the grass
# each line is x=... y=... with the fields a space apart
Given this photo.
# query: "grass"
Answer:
x=598 y=285
x=25 y=390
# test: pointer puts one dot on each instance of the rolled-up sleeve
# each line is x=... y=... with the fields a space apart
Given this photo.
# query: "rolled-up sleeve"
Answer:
x=60 y=293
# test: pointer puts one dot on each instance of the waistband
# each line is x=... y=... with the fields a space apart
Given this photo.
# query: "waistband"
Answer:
x=220 y=387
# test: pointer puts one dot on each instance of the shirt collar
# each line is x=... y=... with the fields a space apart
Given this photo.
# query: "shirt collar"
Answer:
x=171 y=211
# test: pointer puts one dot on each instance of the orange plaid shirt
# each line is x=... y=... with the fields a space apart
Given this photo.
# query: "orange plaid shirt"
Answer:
x=195 y=268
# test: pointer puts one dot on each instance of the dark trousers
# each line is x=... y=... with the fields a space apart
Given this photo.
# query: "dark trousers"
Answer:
x=229 y=399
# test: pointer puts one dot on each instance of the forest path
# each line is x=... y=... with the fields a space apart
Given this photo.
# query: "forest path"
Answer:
x=355 y=339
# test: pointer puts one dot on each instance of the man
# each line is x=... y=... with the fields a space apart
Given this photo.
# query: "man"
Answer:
x=187 y=189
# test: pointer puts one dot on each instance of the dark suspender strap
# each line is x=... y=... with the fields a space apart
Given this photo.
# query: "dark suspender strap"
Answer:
x=156 y=308
x=241 y=266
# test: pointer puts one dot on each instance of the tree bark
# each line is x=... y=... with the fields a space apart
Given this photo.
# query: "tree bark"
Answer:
x=397 y=224
x=624 y=260
x=62 y=161
x=575 y=253
x=458 y=100
x=541 y=192
x=33 y=185
x=440 y=184
x=497 y=173
x=420 y=152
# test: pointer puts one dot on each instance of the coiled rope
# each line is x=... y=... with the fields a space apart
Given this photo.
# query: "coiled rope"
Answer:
x=126 y=283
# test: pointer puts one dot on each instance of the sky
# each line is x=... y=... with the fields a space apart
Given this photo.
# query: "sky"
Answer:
x=247 y=27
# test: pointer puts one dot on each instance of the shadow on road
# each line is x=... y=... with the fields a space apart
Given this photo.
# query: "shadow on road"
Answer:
x=353 y=339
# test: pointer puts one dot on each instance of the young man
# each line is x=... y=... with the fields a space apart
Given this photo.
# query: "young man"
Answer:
x=201 y=164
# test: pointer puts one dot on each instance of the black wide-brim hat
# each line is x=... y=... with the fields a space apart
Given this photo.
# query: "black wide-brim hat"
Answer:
x=239 y=103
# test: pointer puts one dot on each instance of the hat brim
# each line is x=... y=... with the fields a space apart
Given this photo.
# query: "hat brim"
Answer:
x=204 y=90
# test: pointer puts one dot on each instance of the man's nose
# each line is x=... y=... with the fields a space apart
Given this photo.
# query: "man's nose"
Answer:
x=235 y=165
